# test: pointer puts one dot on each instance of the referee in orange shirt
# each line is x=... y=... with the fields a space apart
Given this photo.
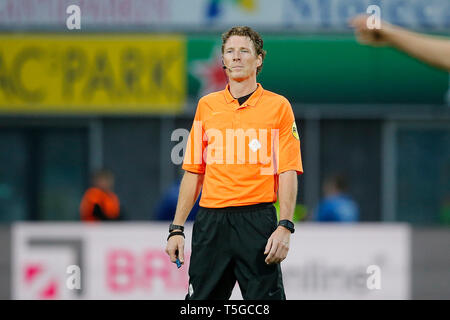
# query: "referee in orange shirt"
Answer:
x=236 y=236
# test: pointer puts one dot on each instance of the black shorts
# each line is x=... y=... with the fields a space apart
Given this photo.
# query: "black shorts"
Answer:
x=228 y=246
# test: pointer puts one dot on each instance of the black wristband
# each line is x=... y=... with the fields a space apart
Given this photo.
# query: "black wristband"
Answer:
x=175 y=233
x=287 y=224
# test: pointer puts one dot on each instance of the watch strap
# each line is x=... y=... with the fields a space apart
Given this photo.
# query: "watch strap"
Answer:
x=287 y=224
x=175 y=227
x=175 y=233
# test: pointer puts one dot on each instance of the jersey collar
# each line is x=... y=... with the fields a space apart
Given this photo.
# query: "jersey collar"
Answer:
x=251 y=102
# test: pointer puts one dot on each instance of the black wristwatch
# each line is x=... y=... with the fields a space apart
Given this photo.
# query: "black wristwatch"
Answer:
x=175 y=227
x=287 y=224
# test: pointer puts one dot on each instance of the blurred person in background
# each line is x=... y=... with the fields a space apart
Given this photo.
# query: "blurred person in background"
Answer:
x=100 y=203
x=337 y=205
x=432 y=50
x=167 y=205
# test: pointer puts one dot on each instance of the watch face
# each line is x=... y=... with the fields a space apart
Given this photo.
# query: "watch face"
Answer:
x=287 y=224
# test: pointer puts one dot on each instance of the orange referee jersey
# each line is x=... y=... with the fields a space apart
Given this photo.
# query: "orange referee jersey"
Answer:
x=242 y=149
x=107 y=201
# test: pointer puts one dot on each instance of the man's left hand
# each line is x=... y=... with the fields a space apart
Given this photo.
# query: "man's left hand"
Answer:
x=278 y=245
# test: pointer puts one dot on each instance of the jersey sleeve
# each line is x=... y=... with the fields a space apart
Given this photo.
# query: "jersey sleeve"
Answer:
x=194 y=161
x=289 y=156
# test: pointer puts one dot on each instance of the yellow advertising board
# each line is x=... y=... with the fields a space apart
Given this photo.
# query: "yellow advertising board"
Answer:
x=92 y=73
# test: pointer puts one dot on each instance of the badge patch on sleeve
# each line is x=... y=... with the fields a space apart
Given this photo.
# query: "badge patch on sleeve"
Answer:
x=294 y=131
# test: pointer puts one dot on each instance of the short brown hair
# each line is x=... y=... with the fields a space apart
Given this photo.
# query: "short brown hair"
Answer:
x=254 y=37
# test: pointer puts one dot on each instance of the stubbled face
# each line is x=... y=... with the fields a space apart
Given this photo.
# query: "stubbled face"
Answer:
x=240 y=58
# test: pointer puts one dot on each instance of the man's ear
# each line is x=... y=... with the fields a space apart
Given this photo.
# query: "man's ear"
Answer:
x=259 y=63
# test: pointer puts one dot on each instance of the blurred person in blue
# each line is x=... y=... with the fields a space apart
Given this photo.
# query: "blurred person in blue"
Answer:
x=337 y=205
x=167 y=205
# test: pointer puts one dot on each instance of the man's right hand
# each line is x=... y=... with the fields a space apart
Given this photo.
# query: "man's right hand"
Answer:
x=175 y=248
x=190 y=188
x=364 y=35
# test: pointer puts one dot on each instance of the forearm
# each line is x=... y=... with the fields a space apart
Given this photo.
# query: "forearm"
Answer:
x=430 y=49
x=287 y=194
x=190 y=188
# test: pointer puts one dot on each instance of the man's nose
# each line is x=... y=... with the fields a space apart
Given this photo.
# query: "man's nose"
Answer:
x=236 y=56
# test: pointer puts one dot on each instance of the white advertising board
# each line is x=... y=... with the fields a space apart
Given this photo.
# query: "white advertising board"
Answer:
x=128 y=261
